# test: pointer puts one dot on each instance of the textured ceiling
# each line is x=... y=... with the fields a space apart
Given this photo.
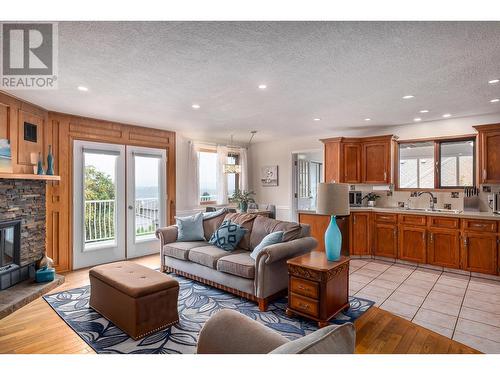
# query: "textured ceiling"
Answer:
x=150 y=73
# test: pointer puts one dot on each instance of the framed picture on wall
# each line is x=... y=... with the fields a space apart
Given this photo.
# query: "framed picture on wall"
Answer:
x=5 y=156
x=269 y=175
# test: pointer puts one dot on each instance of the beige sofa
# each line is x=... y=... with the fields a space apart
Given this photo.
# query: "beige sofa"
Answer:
x=229 y=332
x=260 y=280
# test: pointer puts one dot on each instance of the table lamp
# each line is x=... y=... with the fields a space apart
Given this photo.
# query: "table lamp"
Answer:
x=333 y=200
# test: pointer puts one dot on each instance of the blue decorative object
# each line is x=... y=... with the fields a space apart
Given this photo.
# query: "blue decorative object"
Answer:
x=227 y=236
x=50 y=162
x=44 y=275
x=197 y=303
x=333 y=240
x=39 y=165
x=270 y=239
x=190 y=228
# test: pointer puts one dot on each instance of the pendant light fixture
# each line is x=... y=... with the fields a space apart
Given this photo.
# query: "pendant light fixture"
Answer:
x=231 y=168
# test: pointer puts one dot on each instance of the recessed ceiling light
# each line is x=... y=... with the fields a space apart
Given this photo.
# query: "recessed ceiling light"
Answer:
x=262 y=86
x=368 y=119
x=408 y=97
x=417 y=119
x=496 y=100
x=195 y=106
x=493 y=81
x=316 y=119
x=424 y=111
x=83 y=88
x=446 y=115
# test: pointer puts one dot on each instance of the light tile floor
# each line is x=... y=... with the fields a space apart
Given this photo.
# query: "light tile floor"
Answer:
x=461 y=307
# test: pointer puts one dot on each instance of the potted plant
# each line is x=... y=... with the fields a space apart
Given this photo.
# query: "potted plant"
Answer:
x=371 y=198
x=242 y=198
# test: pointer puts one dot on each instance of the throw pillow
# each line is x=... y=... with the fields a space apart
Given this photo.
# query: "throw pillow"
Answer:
x=227 y=236
x=270 y=239
x=190 y=228
x=210 y=215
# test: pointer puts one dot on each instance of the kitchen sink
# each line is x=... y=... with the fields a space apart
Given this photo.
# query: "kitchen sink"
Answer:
x=434 y=210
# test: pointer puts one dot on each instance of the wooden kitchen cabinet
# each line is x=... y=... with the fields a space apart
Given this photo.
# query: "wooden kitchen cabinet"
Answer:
x=480 y=252
x=358 y=160
x=351 y=162
x=489 y=153
x=412 y=244
x=443 y=248
x=360 y=233
x=385 y=240
x=376 y=162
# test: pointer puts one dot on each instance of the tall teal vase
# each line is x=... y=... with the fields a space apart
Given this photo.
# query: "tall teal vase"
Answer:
x=50 y=162
x=333 y=240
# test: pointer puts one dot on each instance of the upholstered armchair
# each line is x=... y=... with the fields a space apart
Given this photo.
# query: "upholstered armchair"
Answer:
x=230 y=332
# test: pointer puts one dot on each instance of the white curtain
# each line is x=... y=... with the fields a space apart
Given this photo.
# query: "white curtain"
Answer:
x=244 y=169
x=193 y=188
x=221 y=177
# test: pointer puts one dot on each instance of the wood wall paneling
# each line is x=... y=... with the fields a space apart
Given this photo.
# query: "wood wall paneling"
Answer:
x=60 y=130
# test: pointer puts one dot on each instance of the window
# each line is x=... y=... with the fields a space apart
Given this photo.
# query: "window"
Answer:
x=436 y=164
x=207 y=167
x=208 y=176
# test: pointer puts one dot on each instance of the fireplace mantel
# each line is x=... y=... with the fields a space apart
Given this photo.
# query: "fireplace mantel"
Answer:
x=19 y=176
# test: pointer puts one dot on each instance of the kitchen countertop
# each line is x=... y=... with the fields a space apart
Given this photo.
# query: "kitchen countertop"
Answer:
x=397 y=210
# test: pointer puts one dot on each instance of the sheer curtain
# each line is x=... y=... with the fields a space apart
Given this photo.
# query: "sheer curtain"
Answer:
x=244 y=169
x=193 y=188
x=221 y=177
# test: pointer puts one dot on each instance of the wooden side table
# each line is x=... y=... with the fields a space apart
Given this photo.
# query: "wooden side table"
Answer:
x=317 y=289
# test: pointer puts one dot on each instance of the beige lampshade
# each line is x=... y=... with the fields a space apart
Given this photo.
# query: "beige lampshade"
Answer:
x=333 y=199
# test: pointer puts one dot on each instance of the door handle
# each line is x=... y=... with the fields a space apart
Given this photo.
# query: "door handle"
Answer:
x=130 y=207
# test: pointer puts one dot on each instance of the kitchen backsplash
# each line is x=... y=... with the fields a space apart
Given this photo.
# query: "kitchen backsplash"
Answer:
x=453 y=199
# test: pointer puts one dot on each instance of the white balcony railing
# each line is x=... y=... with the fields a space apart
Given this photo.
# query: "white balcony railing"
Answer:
x=100 y=218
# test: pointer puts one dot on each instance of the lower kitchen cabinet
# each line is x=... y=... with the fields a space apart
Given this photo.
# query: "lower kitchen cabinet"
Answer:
x=480 y=252
x=360 y=233
x=385 y=240
x=412 y=244
x=443 y=248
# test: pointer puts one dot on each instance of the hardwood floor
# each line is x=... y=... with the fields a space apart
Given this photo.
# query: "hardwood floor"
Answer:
x=36 y=328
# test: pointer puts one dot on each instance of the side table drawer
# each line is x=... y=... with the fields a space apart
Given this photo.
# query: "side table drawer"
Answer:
x=304 y=304
x=304 y=287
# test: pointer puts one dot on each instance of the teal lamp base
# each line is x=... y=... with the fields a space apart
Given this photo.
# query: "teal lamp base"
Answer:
x=333 y=240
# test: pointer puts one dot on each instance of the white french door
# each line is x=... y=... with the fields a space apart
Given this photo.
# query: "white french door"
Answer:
x=146 y=199
x=119 y=200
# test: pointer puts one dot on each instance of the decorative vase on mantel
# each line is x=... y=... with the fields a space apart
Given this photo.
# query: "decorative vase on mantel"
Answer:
x=39 y=164
x=243 y=206
x=44 y=261
x=50 y=162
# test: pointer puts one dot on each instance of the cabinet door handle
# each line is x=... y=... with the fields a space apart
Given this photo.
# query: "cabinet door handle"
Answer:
x=431 y=237
x=484 y=174
x=466 y=241
x=423 y=236
x=385 y=176
x=354 y=219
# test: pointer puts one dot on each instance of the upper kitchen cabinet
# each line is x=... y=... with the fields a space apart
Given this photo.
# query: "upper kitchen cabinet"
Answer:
x=489 y=153
x=358 y=160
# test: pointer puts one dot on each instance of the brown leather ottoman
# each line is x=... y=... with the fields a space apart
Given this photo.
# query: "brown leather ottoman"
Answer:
x=135 y=298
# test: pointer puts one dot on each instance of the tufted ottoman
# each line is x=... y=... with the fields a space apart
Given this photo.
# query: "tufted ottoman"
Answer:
x=135 y=298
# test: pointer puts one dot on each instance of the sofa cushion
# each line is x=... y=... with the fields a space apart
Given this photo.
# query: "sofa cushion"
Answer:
x=207 y=255
x=240 y=264
x=246 y=221
x=190 y=228
x=212 y=221
x=227 y=236
x=180 y=250
x=262 y=226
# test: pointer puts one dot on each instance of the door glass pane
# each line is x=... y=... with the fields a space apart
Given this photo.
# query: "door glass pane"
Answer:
x=100 y=198
x=457 y=163
x=416 y=165
x=147 y=196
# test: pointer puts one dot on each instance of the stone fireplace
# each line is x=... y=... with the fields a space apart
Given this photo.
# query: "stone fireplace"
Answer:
x=22 y=229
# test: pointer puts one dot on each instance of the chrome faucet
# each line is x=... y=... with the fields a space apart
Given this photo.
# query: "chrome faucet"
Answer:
x=431 y=198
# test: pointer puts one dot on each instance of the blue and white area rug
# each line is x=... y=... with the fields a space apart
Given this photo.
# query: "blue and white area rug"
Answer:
x=197 y=302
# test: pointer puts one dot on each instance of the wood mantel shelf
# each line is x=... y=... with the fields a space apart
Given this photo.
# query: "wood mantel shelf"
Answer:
x=26 y=176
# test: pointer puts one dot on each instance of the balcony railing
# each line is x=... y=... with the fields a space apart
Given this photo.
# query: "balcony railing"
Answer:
x=100 y=218
x=208 y=198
